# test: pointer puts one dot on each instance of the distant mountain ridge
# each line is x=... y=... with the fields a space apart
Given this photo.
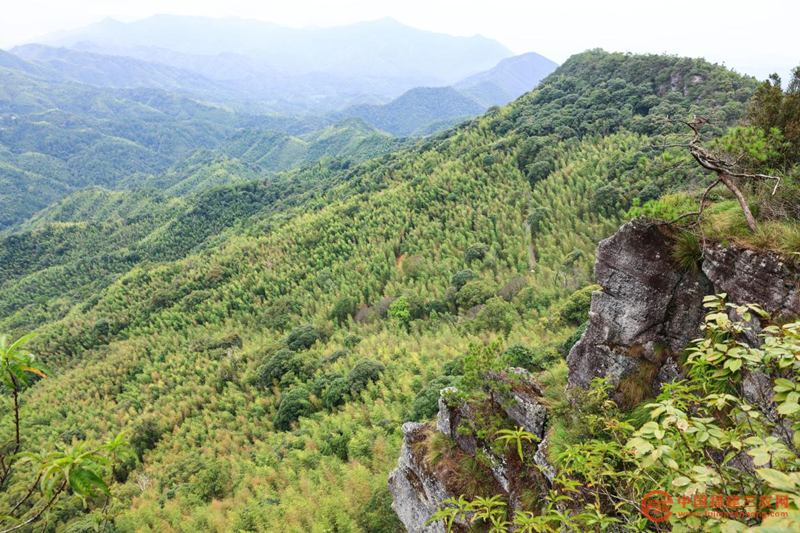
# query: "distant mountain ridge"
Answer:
x=416 y=109
x=508 y=80
x=426 y=110
x=419 y=111
x=114 y=71
x=382 y=57
x=260 y=67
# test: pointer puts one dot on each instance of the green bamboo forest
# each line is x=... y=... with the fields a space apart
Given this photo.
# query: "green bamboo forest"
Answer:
x=232 y=315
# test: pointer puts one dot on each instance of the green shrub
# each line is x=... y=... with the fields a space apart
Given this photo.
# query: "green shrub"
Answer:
x=337 y=392
x=518 y=355
x=536 y=298
x=475 y=293
x=282 y=363
x=454 y=367
x=686 y=252
x=335 y=356
x=343 y=309
x=364 y=372
x=512 y=288
x=294 y=404
x=476 y=252
x=414 y=267
x=322 y=383
x=536 y=218
x=378 y=515
x=461 y=278
x=496 y=315
x=304 y=337
x=400 y=311
x=280 y=315
x=426 y=403
x=335 y=444
x=213 y=481
x=435 y=306
x=574 y=338
x=576 y=309
x=351 y=341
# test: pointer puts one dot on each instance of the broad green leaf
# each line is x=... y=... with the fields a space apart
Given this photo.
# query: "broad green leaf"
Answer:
x=776 y=479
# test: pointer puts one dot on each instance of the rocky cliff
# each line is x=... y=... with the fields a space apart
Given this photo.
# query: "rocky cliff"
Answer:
x=428 y=472
x=648 y=311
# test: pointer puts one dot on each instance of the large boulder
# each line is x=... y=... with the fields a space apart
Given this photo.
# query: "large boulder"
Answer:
x=765 y=278
x=419 y=488
x=523 y=404
x=455 y=414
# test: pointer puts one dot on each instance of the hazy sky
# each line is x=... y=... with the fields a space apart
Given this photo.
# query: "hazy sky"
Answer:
x=756 y=37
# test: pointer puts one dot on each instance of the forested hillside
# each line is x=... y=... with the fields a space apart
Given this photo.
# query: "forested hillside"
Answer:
x=420 y=110
x=262 y=343
x=84 y=243
x=347 y=139
x=57 y=137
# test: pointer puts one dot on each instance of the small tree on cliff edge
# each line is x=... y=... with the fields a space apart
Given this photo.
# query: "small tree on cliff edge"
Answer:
x=730 y=158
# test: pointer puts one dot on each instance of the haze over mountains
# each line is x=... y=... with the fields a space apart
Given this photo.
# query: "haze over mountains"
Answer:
x=264 y=67
x=509 y=79
x=160 y=101
x=383 y=47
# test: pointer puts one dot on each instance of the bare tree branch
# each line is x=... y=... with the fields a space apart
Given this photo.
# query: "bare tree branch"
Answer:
x=40 y=512
x=699 y=211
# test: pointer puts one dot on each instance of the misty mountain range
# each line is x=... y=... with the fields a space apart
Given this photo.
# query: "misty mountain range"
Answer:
x=261 y=67
x=185 y=103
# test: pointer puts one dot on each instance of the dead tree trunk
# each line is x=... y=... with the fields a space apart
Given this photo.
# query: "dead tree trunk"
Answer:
x=751 y=221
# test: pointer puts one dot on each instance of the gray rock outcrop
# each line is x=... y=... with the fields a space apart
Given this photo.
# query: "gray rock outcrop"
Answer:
x=766 y=278
x=647 y=313
x=649 y=309
x=418 y=489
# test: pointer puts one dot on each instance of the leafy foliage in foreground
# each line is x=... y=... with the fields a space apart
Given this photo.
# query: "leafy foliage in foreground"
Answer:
x=48 y=477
